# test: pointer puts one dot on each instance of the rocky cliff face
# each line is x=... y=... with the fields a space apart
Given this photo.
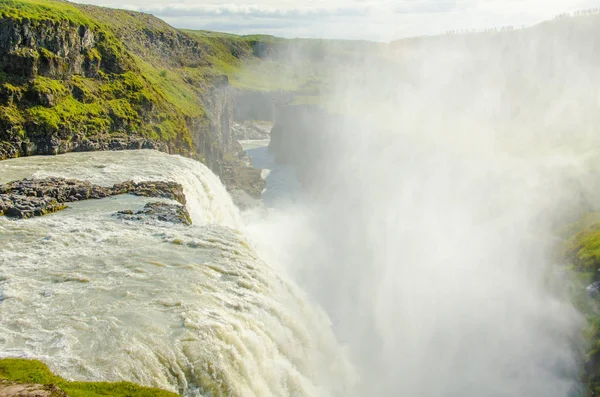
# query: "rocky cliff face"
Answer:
x=212 y=133
x=67 y=84
x=81 y=78
x=55 y=49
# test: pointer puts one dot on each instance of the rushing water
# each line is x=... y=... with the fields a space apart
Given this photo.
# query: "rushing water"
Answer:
x=208 y=310
x=189 y=309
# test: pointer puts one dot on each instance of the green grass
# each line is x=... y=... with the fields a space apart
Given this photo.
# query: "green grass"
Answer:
x=43 y=10
x=32 y=371
x=173 y=87
x=250 y=73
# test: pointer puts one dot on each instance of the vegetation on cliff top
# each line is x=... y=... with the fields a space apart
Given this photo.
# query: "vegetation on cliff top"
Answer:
x=581 y=252
x=35 y=372
x=43 y=10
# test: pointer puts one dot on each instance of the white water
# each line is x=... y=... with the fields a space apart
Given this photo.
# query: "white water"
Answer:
x=189 y=309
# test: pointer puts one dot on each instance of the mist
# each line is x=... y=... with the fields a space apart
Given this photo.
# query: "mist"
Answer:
x=436 y=175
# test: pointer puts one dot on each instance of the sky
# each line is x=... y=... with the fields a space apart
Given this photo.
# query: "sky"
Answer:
x=380 y=20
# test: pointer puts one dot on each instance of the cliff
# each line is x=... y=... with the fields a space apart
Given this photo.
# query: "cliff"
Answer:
x=81 y=78
x=68 y=84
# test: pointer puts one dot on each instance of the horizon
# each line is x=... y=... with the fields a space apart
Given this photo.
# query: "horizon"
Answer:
x=380 y=21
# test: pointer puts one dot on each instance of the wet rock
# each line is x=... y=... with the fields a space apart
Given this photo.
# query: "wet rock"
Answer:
x=164 y=212
x=23 y=207
x=35 y=197
x=170 y=190
x=10 y=389
x=593 y=289
x=244 y=178
x=62 y=190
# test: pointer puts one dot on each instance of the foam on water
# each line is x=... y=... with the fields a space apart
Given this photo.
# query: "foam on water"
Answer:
x=208 y=200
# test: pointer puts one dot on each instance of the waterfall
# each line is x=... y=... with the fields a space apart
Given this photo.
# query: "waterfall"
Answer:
x=188 y=309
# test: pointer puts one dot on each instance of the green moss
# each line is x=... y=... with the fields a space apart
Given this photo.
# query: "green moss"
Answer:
x=45 y=86
x=32 y=371
x=583 y=249
x=121 y=86
x=11 y=115
x=83 y=89
x=46 y=119
x=9 y=94
x=122 y=111
x=47 y=54
x=581 y=254
x=27 y=53
x=68 y=118
x=11 y=120
x=93 y=55
x=181 y=88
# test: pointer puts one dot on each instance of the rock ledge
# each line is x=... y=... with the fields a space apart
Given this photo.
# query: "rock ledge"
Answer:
x=36 y=197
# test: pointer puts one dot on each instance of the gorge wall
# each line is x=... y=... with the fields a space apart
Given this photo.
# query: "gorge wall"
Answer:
x=85 y=78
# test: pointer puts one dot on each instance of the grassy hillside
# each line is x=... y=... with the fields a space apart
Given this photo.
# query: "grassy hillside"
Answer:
x=23 y=371
x=299 y=65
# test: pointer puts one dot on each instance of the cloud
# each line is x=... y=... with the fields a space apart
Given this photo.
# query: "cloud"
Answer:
x=354 y=19
x=425 y=7
x=257 y=11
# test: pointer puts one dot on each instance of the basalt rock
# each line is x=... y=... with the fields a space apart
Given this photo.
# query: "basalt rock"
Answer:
x=593 y=289
x=59 y=189
x=23 y=207
x=36 y=197
x=170 y=190
x=164 y=212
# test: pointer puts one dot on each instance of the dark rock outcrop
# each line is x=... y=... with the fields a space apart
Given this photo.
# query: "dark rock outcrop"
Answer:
x=593 y=289
x=37 y=197
x=54 y=49
x=169 y=190
x=246 y=179
x=19 y=206
x=164 y=212
x=69 y=190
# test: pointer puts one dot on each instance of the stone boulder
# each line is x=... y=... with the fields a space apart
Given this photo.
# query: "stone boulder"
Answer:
x=164 y=212
x=35 y=197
